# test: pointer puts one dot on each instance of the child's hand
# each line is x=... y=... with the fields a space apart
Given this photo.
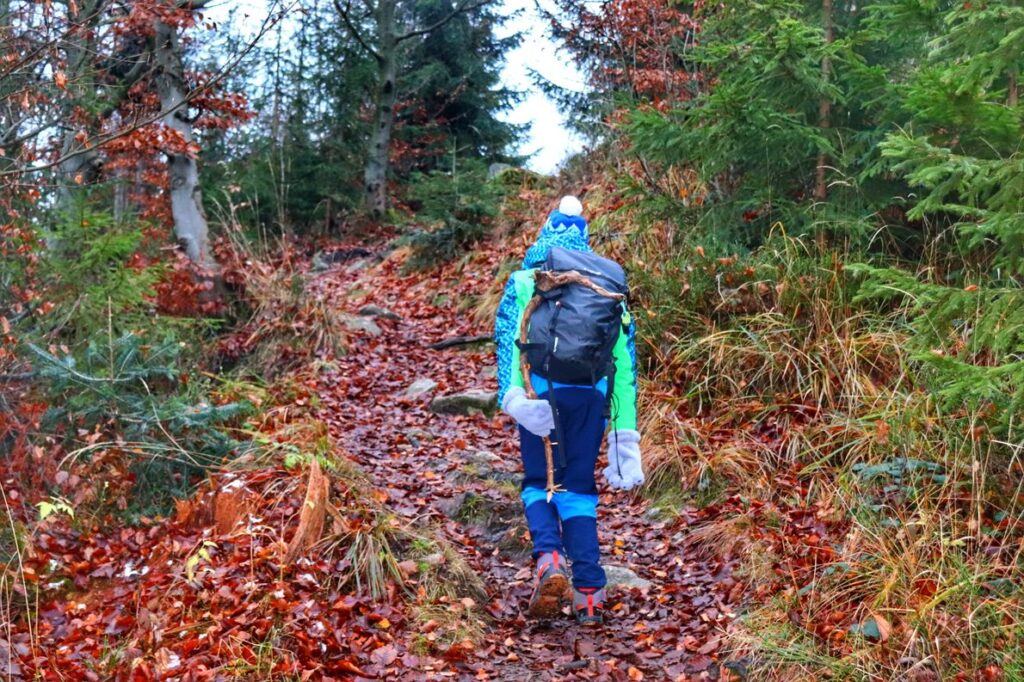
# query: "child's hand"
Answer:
x=624 y=470
x=533 y=415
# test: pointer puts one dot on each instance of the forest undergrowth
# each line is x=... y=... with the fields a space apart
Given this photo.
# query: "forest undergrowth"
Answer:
x=857 y=527
x=249 y=267
x=289 y=509
x=780 y=392
x=811 y=507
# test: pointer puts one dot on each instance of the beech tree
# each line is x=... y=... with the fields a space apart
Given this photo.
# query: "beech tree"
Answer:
x=190 y=226
x=89 y=89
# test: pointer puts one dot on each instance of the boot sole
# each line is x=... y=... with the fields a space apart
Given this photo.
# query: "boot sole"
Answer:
x=547 y=603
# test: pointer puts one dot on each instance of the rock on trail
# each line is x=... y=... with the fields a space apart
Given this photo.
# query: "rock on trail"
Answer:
x=371 y=310
x=466 y=403
x=622 y=578
x=364 y=325
x=419 y=388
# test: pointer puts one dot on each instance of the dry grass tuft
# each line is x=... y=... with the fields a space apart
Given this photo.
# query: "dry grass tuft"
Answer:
x=289 y=325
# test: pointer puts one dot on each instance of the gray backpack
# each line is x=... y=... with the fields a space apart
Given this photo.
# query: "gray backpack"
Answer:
x=573 y=330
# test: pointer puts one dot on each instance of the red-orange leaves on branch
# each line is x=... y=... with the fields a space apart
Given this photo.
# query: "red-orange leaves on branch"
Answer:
x=80 y=103
x=634 y=45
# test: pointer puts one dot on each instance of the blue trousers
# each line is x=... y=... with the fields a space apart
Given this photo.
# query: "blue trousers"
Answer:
x=567 y=524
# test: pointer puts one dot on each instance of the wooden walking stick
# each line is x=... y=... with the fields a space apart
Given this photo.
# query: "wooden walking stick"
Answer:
x=524 y=365
x=546 y=281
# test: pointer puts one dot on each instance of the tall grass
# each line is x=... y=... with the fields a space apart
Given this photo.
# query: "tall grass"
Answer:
x=932 y=544
x=287 y=324
x=760 y=366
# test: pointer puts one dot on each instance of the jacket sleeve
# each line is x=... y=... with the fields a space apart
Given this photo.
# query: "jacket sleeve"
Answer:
x=624 y=388
x=506 y=331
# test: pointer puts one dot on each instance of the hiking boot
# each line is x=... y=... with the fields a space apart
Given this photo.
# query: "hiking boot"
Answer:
x=588 y=605
x=551 y=588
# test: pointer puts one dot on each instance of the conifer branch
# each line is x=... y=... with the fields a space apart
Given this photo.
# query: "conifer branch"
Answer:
x=468 y=7
x=344 y=12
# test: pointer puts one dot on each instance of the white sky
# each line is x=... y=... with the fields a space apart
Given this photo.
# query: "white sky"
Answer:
x=548 y=141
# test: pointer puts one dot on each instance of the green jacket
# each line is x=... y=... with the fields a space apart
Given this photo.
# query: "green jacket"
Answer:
x=518 y=293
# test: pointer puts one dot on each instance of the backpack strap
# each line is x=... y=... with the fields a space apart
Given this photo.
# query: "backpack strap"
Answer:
x=610 y=390
x=559 y=435
x=547 y=295
x=524 y=347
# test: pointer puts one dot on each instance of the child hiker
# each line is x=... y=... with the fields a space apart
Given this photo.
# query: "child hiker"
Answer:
x=579 y=353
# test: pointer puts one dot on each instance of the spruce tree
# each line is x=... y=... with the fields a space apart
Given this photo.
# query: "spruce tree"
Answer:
x=961 y=152
x=454 y=80
x=769 y=134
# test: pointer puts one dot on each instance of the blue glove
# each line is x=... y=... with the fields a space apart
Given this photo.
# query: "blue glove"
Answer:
x=533 y=415
x=624 y=470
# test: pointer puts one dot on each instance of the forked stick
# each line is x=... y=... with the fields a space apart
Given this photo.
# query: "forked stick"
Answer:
x=524 y=366
x=546 y=281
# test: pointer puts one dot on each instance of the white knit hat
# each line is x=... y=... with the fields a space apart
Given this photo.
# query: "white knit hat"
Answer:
x=570 y=205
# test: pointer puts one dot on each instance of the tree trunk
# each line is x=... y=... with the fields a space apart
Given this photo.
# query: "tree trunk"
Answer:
x=122 y=190
x=824 y=116
x=825 y=105
x=385 y=52
x=277 y=136
x=81 y=169
x=375 y=177
x=190 y=226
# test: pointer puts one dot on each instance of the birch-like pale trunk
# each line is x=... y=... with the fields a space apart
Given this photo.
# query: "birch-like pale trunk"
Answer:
x=375 y=176
x=190 y=226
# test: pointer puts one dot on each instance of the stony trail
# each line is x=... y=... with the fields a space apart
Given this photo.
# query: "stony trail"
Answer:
x=460 y=474
x=215 y=592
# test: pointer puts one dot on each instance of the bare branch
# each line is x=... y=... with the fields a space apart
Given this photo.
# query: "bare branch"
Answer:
x=462 y=9
x=28 y=135
x=350 y=25
x=92 y=145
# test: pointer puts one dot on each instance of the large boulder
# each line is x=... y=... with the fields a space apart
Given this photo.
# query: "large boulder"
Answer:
x=469 y=402
x=510 y=176
x=622 y=578
x=496 y=169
